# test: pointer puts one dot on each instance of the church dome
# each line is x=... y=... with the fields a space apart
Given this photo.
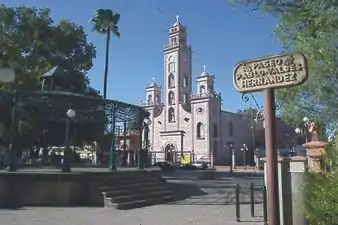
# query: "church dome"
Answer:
x=152 y=84
x=204 y=73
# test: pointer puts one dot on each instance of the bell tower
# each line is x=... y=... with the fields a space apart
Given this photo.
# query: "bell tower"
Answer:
x=177 y=73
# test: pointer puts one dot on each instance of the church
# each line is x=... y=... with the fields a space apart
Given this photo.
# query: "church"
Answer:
x=187 y=123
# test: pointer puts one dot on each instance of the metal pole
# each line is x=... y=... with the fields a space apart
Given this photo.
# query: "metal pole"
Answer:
x=112 y=152
x=65 y=163
x=238 y=212
x=253 y=140
x=139 y=156
x=146 y=138
x=252 y=199
x=271 y=157
x=265 y=207
x=11 y=154
x=125 y=159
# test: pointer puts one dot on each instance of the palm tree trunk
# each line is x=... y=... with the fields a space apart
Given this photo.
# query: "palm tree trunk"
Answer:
x=106 y=65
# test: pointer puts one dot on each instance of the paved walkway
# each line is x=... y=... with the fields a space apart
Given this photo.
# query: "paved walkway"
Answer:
x=154 y=215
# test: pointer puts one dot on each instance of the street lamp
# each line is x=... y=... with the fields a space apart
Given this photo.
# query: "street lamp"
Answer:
x=231 y=146
x=7 y=75
x=244 y=149
x=304 y=128
x=66 y=156
x=143 y=153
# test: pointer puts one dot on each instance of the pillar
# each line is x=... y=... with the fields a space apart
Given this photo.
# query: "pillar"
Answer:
x=315 y=152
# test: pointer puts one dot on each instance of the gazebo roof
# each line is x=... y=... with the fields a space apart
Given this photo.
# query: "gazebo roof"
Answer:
x=55 y=72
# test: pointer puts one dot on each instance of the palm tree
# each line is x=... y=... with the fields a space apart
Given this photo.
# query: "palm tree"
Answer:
x=105 y=21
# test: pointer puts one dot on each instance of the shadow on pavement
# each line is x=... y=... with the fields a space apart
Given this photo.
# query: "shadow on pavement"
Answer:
x=194 y=194
x=184 y=191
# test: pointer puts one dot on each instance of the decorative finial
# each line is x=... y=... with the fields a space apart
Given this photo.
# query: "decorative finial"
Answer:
x=154 y=79
x=177 y=18
x=204 y=68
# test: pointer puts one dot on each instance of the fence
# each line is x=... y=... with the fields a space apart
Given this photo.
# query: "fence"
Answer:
x=252 y=203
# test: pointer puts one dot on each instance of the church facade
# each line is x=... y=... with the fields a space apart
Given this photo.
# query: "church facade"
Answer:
x=192 y=124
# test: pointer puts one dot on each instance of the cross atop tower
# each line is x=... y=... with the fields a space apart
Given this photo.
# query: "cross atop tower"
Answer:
x=177 y=18
x=154 y=79
x=204 y=68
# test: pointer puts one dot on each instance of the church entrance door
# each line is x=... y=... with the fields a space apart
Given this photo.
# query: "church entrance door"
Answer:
x=169 y=153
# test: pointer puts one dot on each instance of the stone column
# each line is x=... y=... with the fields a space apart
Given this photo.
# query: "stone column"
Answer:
x=290 y=180
x=315 y=151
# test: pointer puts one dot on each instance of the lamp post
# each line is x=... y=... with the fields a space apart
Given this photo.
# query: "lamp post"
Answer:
x=244 y=149
x=7 y=75
x=143 y=152
x=304 y=128
x=65 y=163
x=231 y=146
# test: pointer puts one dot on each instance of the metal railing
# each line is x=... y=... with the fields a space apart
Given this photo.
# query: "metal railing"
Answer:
x=252 y=203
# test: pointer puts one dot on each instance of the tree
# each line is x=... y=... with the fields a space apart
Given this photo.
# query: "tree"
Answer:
x=311 y=28
x=105 y=21
x=32 y=44
x=249 y=113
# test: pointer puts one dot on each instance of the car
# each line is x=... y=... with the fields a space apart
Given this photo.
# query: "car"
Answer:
x=201 y=165
x=189 y=166
x=165 y=166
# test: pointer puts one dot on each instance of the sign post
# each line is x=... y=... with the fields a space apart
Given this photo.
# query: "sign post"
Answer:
x=267 y=74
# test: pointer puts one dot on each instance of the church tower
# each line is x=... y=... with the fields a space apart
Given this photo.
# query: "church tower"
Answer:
x=153 y=94
x=177 y=74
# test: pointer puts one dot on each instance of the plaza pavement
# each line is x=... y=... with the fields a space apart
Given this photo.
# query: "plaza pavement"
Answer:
x=200 y=202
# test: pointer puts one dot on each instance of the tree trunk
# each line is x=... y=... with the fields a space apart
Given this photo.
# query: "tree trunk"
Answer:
x=106 y=65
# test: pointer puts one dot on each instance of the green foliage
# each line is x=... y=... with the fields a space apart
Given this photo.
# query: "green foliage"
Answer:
x=249 y=113
x=105 y=21
x=32 y=44
x=308 y=26
x=321 y=191
x=321 y=198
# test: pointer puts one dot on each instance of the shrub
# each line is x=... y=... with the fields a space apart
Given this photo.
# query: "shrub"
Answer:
x=321 y=193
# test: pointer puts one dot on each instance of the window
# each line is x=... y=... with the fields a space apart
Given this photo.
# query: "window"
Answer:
x=171 y=67
x=150 y=99
x=171 y=98
x=185 y=98
x=171 y=59
x=214 y=130
x=157 y=100
x=200 y=130
x=171 y=81
x=171 y=115
x=202 y=89
x=185 y=82
x=231 y=129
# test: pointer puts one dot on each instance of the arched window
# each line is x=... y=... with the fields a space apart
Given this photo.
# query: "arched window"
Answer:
x=185 y=82
x=150 y=99
x=157 y=100
x=171 y=115
x=214 y=130
x=200 y=130
x=202 y=89
x=231 y=129
x=171 y=98
x=171 y=81
x=185 y=98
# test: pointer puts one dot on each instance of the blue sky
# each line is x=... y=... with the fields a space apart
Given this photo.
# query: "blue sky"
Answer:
x=220 y=35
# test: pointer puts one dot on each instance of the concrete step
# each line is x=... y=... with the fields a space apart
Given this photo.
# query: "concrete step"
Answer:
x=112 y=181
x=140 y=196
x=108 y=191
x=140 y=203
x=131 y=186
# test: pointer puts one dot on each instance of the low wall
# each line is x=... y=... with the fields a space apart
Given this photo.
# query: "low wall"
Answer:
x=56 y=189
